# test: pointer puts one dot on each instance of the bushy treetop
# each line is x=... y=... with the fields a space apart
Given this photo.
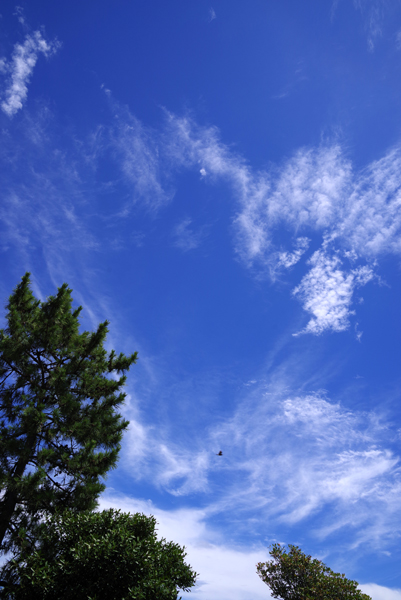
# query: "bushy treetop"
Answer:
x=107 y=555
x=293 y=575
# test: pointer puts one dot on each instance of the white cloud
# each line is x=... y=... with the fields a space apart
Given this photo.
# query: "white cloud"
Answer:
x=306 y=194
x=309 y=189
x=20 y=69
x=357 y=214
x=313 y=413
x=289 y=259
x=316 y=191
x=379 y=592
x=326 y=291
x=313 y=191
x=371 y=220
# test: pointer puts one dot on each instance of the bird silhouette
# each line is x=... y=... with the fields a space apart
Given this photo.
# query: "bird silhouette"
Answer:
x=219 y=453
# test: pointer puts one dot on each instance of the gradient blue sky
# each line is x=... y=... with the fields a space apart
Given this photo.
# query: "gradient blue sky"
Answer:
x=222 y=181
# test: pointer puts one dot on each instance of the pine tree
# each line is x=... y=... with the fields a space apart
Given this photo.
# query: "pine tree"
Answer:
x=60 y=431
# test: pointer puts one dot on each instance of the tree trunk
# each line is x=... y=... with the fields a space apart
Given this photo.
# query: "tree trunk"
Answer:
x=10 y=500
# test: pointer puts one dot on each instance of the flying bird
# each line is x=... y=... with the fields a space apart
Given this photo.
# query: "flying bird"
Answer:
x=219 y=453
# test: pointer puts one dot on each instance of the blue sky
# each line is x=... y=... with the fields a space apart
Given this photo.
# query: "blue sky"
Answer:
x=222 y=181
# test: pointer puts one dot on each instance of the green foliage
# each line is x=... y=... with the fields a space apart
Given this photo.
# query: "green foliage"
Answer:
x=60 y=431
x=292 y=575
x=99 y=556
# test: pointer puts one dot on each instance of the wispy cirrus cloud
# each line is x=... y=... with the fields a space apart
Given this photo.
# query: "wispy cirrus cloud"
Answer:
x=44 y=210
x=356 y=214
x=19 y=69
x=316 y=191
x=138 y=152
x=350 y=218
x=372 y=12
x=319 y=463
x=166 y=463
x=185 y=237
x=292 y=460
